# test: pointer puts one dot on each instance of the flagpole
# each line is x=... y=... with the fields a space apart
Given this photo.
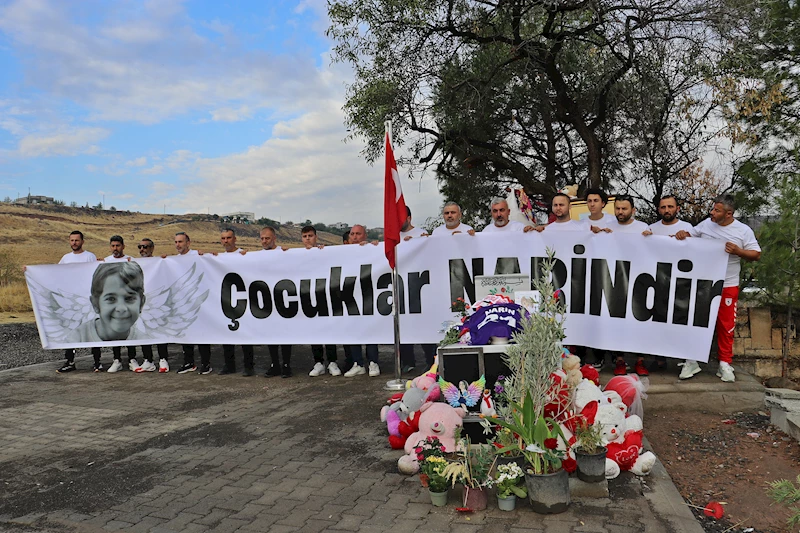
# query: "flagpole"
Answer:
x=395 y=384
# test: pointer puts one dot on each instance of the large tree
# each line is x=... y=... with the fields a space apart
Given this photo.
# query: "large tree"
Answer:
x=539 y=93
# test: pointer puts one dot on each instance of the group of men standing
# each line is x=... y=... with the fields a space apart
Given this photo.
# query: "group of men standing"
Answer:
x=740 y=243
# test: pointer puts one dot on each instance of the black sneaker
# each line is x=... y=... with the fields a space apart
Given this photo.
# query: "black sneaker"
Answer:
x=98 y=367
x=286 y=371
x=225 y=371
x=598 y=365
x=247 y=372
x=68 y=367
x=186 y=368
x=274 y=370
x=408 y=369
x=205 y=370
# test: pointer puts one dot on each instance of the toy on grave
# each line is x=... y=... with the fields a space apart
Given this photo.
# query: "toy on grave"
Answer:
x=401 y=416
x=464 y=395
x=623 y=438
x=570 y=190
x=589 y=372
x=571 y=365
x=487 y=404
x=428 y=379
x=631 y=391
x=436 y=419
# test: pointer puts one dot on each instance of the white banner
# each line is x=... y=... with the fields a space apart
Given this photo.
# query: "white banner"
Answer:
x=623 y=292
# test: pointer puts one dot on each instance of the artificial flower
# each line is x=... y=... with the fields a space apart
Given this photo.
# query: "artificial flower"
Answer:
x=551 y=443
x=714 y=510
x=569 y=464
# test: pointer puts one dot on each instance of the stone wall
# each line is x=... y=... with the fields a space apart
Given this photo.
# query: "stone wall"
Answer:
x=758 y=341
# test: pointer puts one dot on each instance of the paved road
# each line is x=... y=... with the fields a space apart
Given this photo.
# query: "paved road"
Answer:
x=88 y=452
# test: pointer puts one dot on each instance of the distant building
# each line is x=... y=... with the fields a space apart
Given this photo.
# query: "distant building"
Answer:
x=242 y=217
x=33 y=200
x=340 y=225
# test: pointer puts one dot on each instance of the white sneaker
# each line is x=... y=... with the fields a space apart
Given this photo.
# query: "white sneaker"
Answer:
x=163 y=366
x=374 y=370
x=333 y=369
x=147 y=366
x=116 y=366
x=690 y=368
x=355 y=371
x=133 y=365
x=725 y=372
x=318 y=370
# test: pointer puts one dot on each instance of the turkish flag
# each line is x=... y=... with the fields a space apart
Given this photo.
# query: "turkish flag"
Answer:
x=394 y=205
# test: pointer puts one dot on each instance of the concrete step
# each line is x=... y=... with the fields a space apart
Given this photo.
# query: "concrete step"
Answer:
x=784 y=408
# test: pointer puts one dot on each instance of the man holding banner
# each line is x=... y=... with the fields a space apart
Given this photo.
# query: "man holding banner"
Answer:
x=451 y=213
x=740 y=243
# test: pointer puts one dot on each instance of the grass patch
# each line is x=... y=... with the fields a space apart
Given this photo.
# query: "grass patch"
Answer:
x=14 y=298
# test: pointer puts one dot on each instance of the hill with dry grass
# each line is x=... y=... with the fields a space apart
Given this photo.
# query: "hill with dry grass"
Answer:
x=40 y=234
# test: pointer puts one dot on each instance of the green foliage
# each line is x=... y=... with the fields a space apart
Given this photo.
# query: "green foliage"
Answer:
x=472 y=465
x=589 y=437
x=785 y=492
x=530 y=93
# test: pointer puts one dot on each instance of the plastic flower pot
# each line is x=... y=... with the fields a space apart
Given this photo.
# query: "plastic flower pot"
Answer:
x=548 y=493
x=507 y=504
x=438 y=499
x=591 y=467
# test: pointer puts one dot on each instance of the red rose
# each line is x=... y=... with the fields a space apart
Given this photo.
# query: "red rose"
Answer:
x=551 y=443
x=420 y=457
x=569 y=464
x=418 y=449
x=714 y=510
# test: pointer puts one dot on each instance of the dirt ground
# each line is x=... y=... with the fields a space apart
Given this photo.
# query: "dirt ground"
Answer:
x=727 y=458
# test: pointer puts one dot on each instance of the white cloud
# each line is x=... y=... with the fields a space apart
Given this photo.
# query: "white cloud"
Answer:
x=153 y=171
x=148 y=64
x=138 y=162
x=228 y=114
x=68 y=142
x=304 y=171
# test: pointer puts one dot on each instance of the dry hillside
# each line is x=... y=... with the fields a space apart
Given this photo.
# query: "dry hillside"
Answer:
x=40 y=234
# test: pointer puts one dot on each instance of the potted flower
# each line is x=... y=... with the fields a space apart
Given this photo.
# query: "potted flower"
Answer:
x=509 y=481
x=434 y=467
x=590 y=452
x=430 y=447
x=471 y=469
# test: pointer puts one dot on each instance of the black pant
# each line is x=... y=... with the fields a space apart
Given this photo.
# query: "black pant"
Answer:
x=147 y=350
x=230 y=362
x=96 y=355
x=69 y=355
x=330 y=351
x=407 y=357
x=205 y=354
x=286 y=354
x=118 y=352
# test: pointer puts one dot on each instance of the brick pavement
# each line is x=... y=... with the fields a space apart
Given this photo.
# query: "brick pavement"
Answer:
x=89 y=452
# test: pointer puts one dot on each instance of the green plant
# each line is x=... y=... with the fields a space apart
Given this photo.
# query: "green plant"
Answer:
x=472 y=467
x=589 y=437
x=510 y=480
x=785 y=492
x=538 y=436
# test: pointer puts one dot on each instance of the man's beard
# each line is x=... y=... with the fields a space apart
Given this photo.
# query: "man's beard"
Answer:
x=622 y=219
x=668 y=217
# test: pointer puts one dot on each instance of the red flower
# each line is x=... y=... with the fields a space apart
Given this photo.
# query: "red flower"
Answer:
x=418 y=449
x=420 y=457
x=569 y=464
x=551 y=443
x=502 y=289
x=714 y=510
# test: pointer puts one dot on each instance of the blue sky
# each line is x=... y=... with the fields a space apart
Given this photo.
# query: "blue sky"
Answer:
x=188 y=106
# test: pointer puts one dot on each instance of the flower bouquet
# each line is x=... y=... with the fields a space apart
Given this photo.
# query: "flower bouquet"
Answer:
x=430 y=447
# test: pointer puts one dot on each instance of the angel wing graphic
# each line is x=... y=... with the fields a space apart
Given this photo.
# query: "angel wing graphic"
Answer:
x=167 y=311
x=463 y=395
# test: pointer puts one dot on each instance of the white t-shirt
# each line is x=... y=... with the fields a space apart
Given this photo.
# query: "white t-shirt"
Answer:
x=112 y=259
x=444 y=230
x=604 y=222
x=659 y=228
x=190 y=252
x=735 y=232
x=569 y=225
x=413 y=232
x=635 y=226
x=512 y=226
x=236 y=251
x=83 y=257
